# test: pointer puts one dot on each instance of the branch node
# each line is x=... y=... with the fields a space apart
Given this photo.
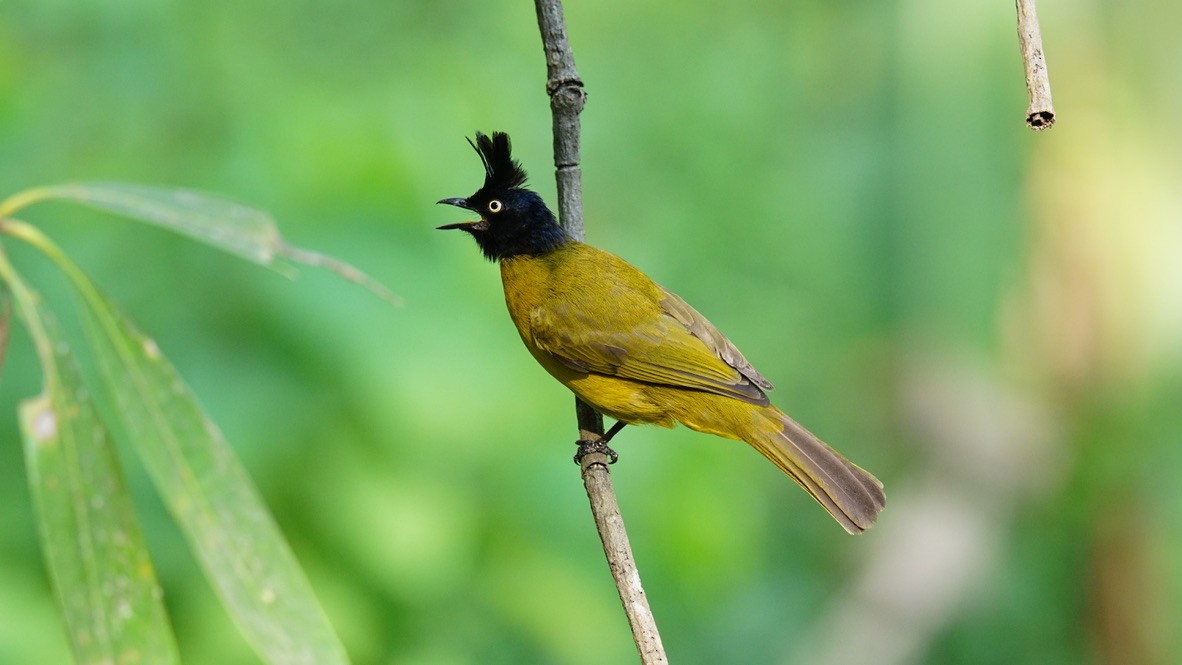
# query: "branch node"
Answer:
x=573 y=84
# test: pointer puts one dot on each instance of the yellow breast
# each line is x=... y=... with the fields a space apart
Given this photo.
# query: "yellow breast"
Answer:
x=580 y=279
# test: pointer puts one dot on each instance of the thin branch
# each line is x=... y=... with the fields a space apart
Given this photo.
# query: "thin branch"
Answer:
x=566 y=103
x=1040 y=113
x=567 y=98
x=610 y=523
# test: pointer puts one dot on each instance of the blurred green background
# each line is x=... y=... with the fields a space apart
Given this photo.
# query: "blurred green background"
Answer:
x=988 y=319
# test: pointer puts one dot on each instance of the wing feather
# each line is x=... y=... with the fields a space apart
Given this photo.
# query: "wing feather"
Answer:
x=657 y=339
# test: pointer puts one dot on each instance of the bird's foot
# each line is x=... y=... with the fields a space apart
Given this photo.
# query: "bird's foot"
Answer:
x=589 y=446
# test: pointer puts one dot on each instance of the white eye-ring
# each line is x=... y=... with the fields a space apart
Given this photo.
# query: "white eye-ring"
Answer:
x=495 y=206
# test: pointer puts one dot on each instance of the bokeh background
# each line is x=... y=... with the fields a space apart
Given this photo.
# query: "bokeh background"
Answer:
x=987 y=318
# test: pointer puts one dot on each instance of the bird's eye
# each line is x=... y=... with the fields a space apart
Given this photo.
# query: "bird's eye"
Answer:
x=495 y=206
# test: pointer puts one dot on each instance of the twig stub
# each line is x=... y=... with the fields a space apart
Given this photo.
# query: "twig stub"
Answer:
x=1040 y=112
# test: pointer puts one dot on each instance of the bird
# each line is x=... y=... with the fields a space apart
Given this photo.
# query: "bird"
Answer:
x=632 y=349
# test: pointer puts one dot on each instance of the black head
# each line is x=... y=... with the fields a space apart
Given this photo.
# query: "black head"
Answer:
x=513 y=220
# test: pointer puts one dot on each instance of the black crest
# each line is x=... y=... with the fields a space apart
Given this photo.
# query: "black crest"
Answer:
x=501 y=171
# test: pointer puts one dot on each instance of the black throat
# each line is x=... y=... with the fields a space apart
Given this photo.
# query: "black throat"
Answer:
x=501 y=242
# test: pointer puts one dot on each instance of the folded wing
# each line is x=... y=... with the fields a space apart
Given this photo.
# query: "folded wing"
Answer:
x=651 y=336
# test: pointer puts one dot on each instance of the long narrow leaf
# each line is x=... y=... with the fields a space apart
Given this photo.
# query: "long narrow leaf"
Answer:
x=242 y=230
x=205 y=486
x=213 y=499
x=245 y=231
x=102 y=575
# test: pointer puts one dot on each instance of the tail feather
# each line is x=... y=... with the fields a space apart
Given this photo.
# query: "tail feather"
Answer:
x=851 y=495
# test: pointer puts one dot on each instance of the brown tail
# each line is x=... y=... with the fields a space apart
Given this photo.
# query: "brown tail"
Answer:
x=852 y=496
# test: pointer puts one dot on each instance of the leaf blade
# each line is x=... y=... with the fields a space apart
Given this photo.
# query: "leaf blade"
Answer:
x=236 y=228
x=101 y=571
x=230 y=226
x=204 y=486
x=212 y=498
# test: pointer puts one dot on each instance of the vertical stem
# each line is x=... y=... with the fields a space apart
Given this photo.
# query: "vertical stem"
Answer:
x=610 y=524
x=567 y=98
x=1040 y=112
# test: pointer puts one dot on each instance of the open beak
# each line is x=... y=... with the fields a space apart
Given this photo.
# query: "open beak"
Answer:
x=459 y=203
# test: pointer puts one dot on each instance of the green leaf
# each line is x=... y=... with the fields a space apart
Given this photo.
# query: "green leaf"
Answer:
x=102 y=575
x=204 y=485
x=231 y=226
x=212 y=498
x=236 y=228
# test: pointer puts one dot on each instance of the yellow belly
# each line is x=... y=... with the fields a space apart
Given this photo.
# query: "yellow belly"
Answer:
x=621 y=399
x=533 y=281
x=556 y=282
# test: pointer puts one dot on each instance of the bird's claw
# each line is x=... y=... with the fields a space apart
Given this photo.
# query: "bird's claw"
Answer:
x=589 y=446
